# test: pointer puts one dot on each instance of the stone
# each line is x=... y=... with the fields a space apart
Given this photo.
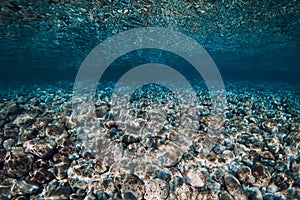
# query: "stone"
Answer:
x=281 y=166
x=183 y=192
x=269 y=196
x=272 y=188
x=91 y=197
x=295 y=166
x=244 y=174
x=129 y=139
x=208 y=195
x=55 y=132
x=24 y=120
x=55 y=190
x=97 y=188
x=219 y=175
x=6 y=185
x=8 y=144
x=41 y=176
x=226 y=196
x=282 y=181
x=13 y=108
x=293 y=193
x=42 y=148
x=2 y=158
x=20 y=198
x=83 y=171
x=163 y=174
x=101 y=110
x=42 y=121
x=26 y=134
x=75 y=197
x=59 y=157
x=168 y=155
x=267 y=155
x=3 y=120
x=60 y=170
x=261 y=174
x=24 y=188
x=254 y=193
x=130 y=186
x=17 y=163
x=270 y=126
x=41 y=164
x=65 y=146
x=234 y=188
x=212 y=184
x=156 y=189
x=195 y=177
x=255 y=157
x=274 y=144
x=11 y=130
x=293 y=138
x=218 y=149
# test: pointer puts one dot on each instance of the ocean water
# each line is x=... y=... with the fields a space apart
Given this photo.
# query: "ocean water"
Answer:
x=48 y=40
x=154 y=99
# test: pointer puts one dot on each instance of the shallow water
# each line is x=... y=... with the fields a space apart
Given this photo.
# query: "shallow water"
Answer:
x=48 y=40
x=230 y=130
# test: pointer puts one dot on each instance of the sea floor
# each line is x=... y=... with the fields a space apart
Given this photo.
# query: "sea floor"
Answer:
x=47 y=153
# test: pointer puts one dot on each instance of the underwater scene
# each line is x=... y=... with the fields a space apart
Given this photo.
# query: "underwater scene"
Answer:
x=150 y=99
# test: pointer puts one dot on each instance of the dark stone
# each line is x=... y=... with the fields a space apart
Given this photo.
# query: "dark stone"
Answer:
x=11 y=130
x=129 y=139
x=17 y=163
x=13 y=109
x=269 y=196
x=129 y=196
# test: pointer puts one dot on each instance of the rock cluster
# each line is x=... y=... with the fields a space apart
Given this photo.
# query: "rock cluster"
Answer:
x=256 y=156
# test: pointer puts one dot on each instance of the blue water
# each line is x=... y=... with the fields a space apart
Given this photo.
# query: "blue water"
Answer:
x=46 y=41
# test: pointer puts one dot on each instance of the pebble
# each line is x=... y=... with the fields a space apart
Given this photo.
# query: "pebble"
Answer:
x=270 y=196
x=55 y=132
x=41 y=176
x=282 y=180
x=6 y=185
x=244 y=174
x=11 y=130
x=274 y=144
x=270 y=126
x=8 y=144
x=24 y=188
x=226 y=196
x=55 y=190
x=208 y=195
x=254 y=193
x=183 y=192
x=17 y=163
x=234 y=188
x=272 y=188
x=130 y=186
x=281 y=166
x=24 y=120
x=101 y=109
x=195 y=178
x=156 y=189
x=60 y=170
x=42 y=148
x=293 y=193
x=21 y=198
x=261 y=174
x=13 y=108
x=213 y=185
